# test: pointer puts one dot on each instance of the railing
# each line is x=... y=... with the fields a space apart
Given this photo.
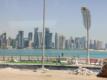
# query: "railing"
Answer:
x=61 y=60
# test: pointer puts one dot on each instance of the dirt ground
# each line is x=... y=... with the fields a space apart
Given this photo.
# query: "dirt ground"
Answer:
x=16 y=74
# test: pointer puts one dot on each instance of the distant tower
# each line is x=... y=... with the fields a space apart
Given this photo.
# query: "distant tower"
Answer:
x=36 y=39
x=13 y=43
x=0 y=41
x=91 y=44
x=71 y=43
x=95 y=44
x=3 y=41
x=30 y=35
x=62 y=42
x=67 y=45
x=20 y=39
x=48 y=39
x=83 y=42
x=77 y=43
x=99 y=45
x=9 y=40
x=56 y=41
x=40 y=39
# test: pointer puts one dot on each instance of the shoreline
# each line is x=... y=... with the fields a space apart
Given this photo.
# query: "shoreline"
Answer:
x=55 y=49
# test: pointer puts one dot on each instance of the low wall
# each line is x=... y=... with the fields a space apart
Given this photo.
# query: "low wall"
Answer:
x=51 y=67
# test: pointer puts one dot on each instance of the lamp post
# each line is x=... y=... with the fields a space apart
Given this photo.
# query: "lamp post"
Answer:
x=87 y=25
x=43 y=38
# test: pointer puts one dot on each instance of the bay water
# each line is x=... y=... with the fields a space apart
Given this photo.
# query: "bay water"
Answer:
x=52 y=53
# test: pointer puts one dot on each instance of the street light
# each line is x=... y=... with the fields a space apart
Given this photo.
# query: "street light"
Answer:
x=43 y=38
x=87 y=24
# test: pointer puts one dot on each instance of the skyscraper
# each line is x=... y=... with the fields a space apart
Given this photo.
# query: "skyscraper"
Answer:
x=67 y=45
x=95 y=44
x=61 y=42
x=56 y=41
x=71 y=43
x=106 y=46
x=30 y=43
x=20 y=39
x=3 y=41
x=40 y=35
x=36 y=39
x=77 y=43
x=99 y=45
x=13 y=43
x=26 y=43
x=30 y=35
x=0 y=41
x=91 y=45
x=82 y=42
x=48 y=39
x=9 y=40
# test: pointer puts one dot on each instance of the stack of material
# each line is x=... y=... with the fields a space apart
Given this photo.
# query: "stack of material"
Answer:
x=83 y=71
x=42 y=70
x=103 y=72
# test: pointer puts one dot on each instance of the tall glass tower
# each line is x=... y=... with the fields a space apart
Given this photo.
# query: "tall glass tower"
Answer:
x=48 y=39
x=36 y=39
x=20 y=38
x=30 y=35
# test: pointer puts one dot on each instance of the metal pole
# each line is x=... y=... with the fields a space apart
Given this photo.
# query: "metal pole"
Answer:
x=87 y=25
x=88 y=56
x=43 y=51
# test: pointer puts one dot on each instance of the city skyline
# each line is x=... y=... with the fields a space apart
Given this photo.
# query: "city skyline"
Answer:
x=61 y=16
x=52 y=41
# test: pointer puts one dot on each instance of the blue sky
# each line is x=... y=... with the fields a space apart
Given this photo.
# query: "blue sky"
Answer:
x=62 y=16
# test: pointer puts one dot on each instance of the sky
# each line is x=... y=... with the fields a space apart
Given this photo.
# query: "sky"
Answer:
x=62 y=16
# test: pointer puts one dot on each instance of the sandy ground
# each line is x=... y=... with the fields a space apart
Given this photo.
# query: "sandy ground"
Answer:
x=16 y=74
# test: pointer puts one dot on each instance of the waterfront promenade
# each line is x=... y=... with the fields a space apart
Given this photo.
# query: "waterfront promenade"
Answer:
x=55 y=60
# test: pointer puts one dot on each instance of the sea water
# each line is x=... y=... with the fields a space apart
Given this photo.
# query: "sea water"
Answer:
x=52 y=53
